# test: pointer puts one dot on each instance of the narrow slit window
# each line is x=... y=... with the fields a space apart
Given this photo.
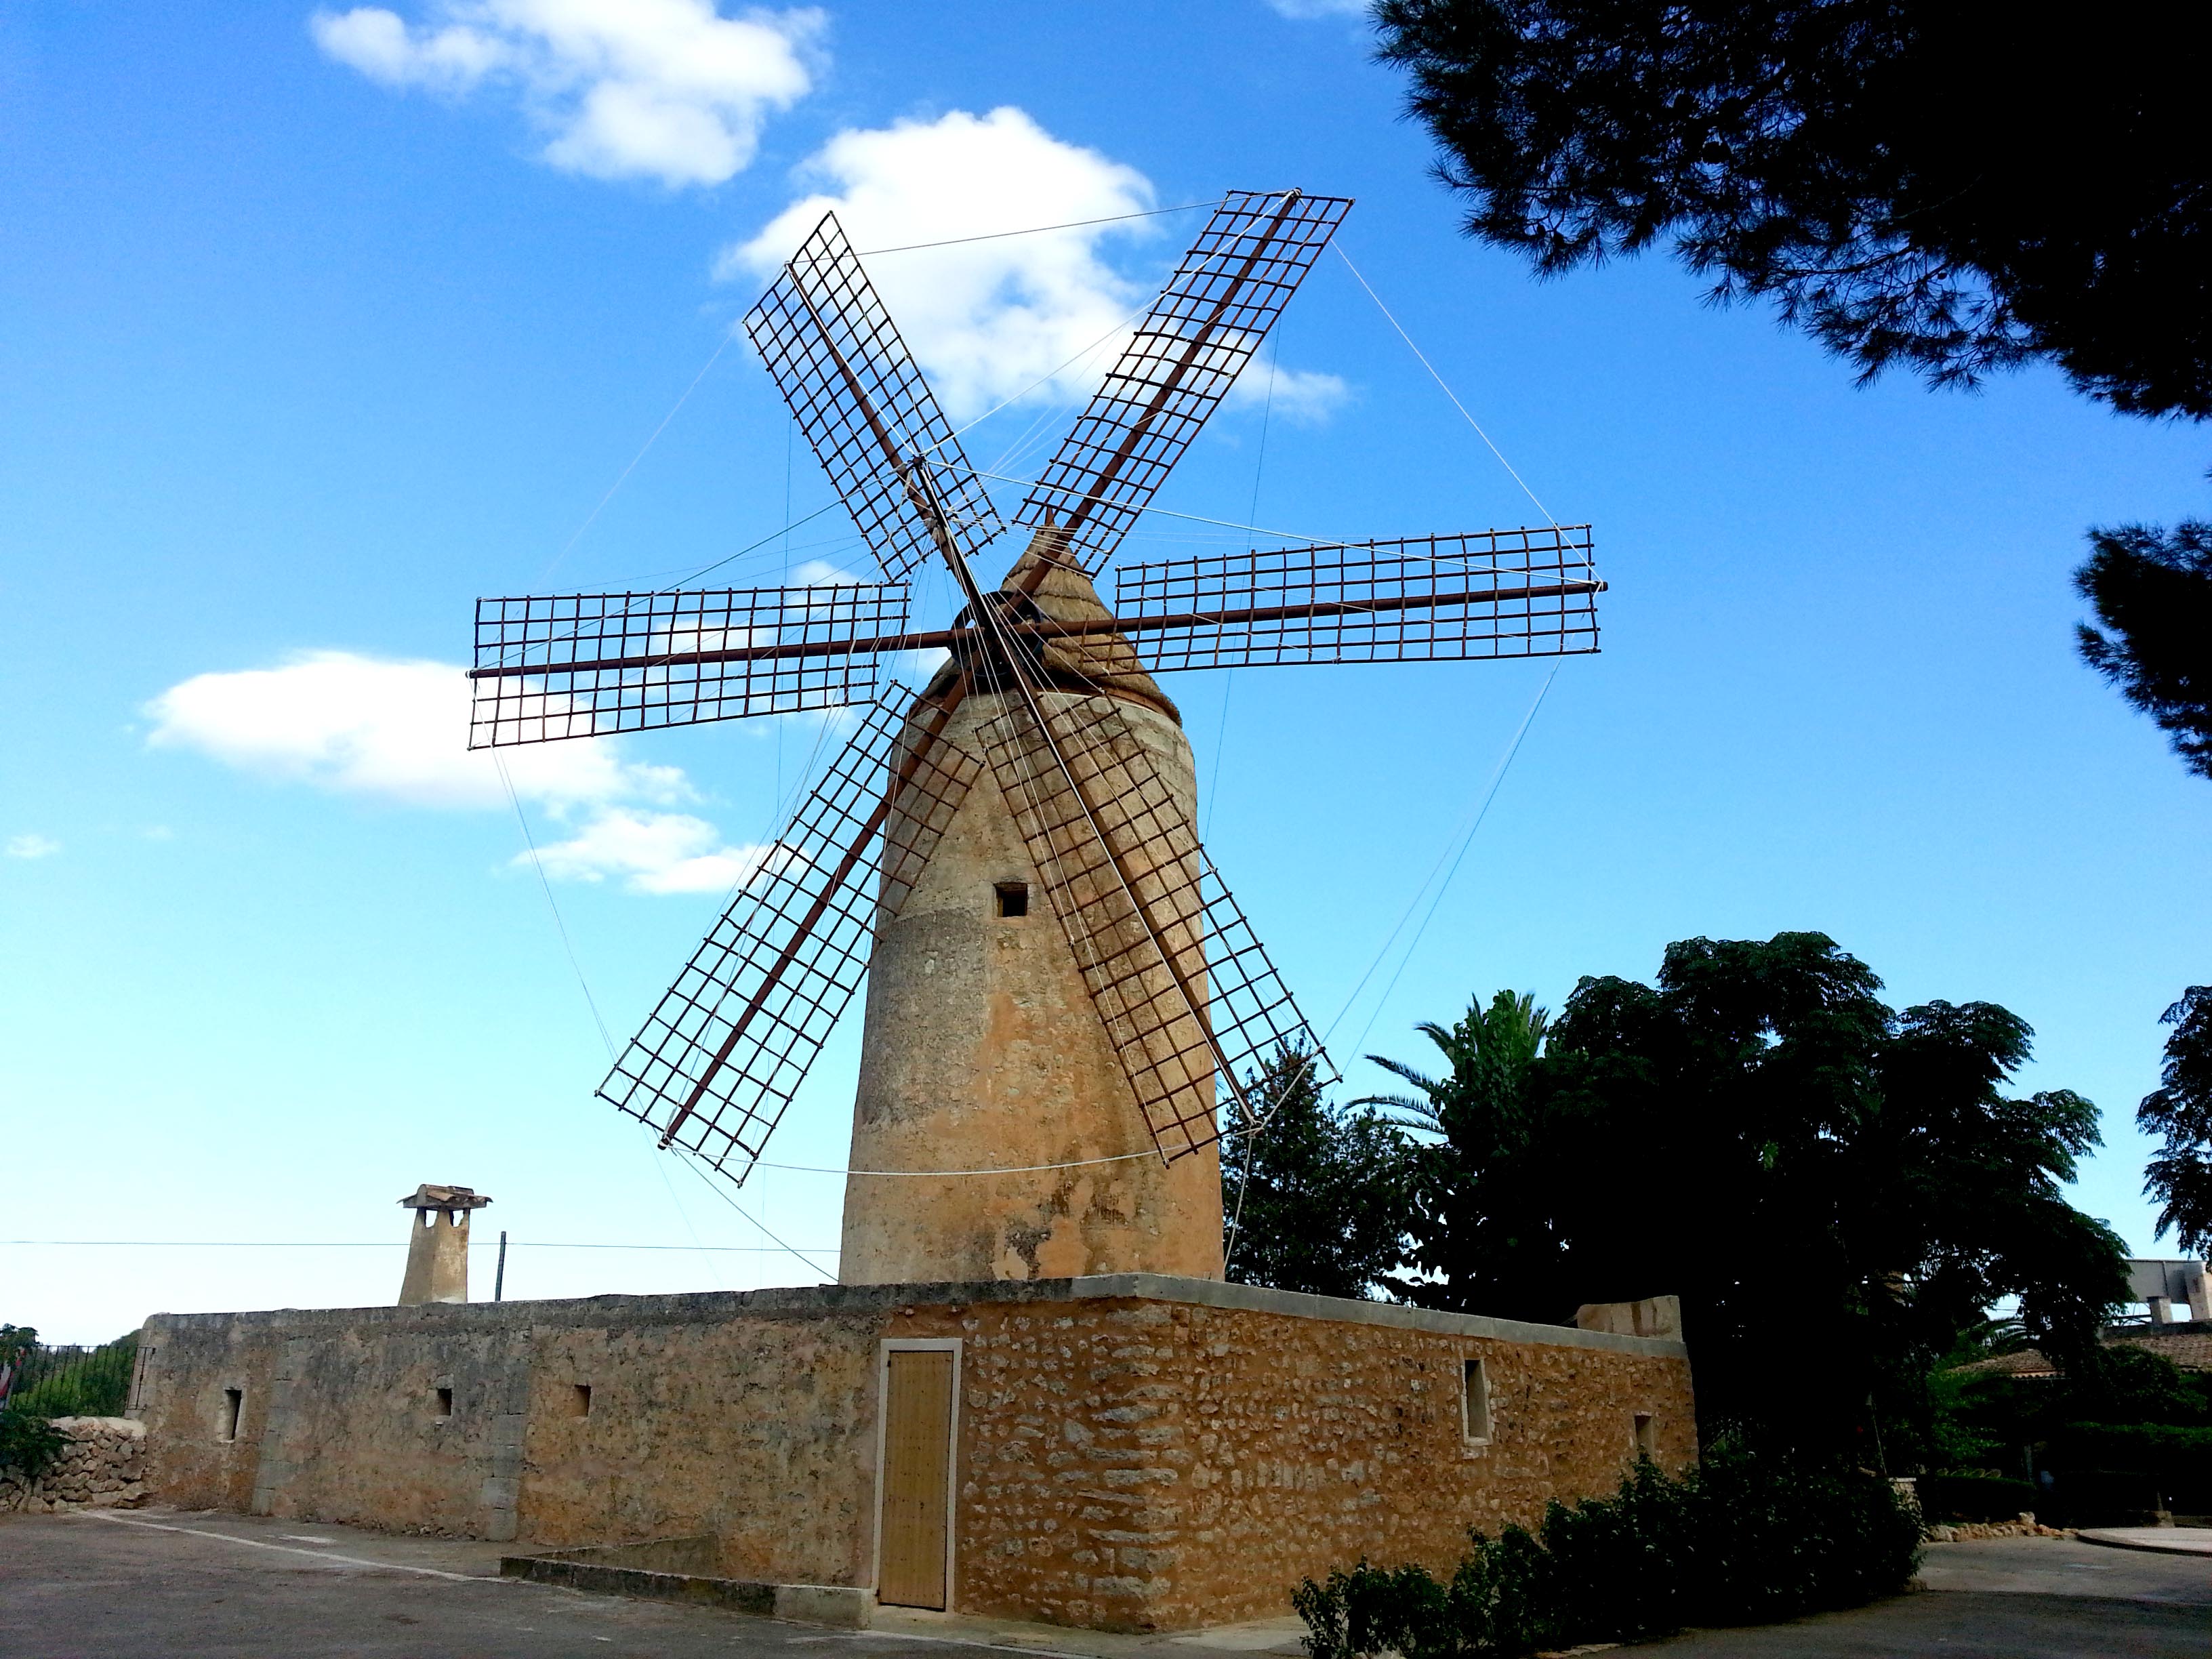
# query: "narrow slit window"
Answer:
x=581 y=1406
x=444 y=1408
x=233 y=1401
x=1474 y=1401
x=1647 y=1435
x=1013 y=898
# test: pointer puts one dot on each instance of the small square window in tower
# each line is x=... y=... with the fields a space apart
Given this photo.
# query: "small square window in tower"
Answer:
x=1475 y=1402
x=1013 y=898
x=1647 y=1435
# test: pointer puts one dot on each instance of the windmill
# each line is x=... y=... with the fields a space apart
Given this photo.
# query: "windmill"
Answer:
x=1036 y=1098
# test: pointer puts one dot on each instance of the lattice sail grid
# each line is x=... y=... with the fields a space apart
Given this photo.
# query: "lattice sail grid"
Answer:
x=1185 y=356
x=581 y=665
x=854 y=388
x=720 y=1060
x=1492 y=593
x=1166 y=956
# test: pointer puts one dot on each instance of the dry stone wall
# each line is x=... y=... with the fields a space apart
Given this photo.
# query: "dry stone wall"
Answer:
x=102 y=1466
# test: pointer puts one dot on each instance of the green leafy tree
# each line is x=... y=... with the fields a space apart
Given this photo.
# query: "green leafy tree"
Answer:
x=19 y=1343
x=1835 y=1188
x=1487 y=1232
x=1314 y=1199
x=28 y=1441
x=2179 y=1176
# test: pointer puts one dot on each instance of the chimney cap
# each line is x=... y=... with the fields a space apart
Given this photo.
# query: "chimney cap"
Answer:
x=431 y=1197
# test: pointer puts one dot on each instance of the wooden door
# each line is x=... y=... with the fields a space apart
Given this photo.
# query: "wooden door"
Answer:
x=916 y=1478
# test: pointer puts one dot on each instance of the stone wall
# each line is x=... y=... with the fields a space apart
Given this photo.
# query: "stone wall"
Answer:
x=746 y=1417
x=101 y=1467
x=1144 y=1464
x=1134 y=1452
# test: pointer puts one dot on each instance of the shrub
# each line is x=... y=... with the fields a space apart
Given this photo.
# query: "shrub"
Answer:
x=1974 y=1496
x=27 y=1443
x=2137 y=1447
x=1744 y=1539
x=2117 y=1472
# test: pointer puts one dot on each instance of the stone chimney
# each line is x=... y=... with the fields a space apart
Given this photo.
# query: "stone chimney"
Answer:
x=438 y=1251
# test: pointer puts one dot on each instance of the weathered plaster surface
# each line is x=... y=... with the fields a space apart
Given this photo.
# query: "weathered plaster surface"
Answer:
x=982 y=1049
x=1136 y=1451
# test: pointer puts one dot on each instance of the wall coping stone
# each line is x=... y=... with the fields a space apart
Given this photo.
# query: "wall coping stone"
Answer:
x=874 y=1300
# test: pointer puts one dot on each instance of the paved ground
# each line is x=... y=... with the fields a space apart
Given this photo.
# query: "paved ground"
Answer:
x=2005 y=1598
x=2166 y=1541
x=159 y=1584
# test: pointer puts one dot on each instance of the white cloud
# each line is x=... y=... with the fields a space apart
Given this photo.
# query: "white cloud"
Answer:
x=32 y=846
x=373 y=726
x=1306 y=11
x=666 y=89
x=657 y=851
x=1301 y=396
x=988 y=319
x=399 y=730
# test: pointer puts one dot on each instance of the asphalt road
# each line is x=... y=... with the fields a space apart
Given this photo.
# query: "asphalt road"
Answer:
x=156 y=1585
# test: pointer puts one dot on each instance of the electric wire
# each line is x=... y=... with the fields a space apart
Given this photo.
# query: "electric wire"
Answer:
x=372 y=1244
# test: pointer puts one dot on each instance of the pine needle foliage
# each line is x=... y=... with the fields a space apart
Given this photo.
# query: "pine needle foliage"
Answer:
x=1943 y=188
x=2179 y=1174
x=2152 y=591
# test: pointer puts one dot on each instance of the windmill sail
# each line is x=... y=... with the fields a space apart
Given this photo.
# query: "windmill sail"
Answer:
x=1493 y=593
x=854 y=388
x=1185 y=356
x=584 y=664
x=721 y=1056
x=1187 y=998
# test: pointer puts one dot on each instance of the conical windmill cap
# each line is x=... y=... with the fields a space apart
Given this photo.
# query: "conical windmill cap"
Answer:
x=1102 y=662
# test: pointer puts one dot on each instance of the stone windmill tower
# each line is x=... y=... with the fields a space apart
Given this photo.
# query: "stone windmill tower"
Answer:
x=1063 y=998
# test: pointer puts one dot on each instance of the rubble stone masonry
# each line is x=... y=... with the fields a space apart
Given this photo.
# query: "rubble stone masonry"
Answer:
x=1134 y=1452
x=100 y=1466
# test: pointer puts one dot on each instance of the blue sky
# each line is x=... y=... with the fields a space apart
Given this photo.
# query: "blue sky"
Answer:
x=317 y=327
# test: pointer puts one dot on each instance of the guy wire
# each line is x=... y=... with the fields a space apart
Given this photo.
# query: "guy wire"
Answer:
x=728 y=335
x=538 y=864
x=1440 y=381
x=1036 y=230
x=1497 y=781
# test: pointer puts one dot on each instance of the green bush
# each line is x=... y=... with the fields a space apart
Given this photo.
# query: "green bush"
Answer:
x=1971 y=1496
x=1744 y=1539
x=28 y=1443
